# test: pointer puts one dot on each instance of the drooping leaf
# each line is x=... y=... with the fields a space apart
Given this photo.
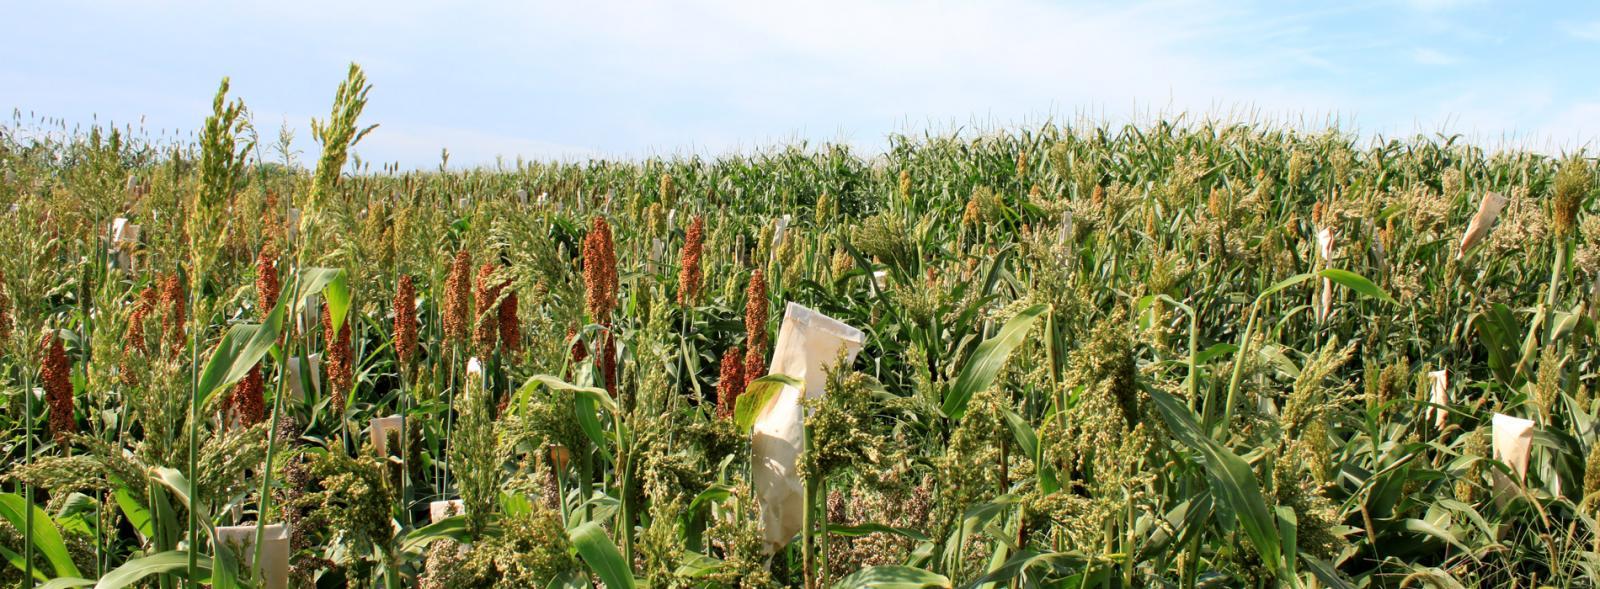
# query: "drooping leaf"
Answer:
x=892 y=577
x=46 y=537
x=756 y=396
x=981 y=369
x=1356 y=282
x=1232 y=480
x=175 y=562
x=601 y=555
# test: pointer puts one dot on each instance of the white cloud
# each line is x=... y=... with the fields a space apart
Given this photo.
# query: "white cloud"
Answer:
x=1429 y=56
x=1586 y=31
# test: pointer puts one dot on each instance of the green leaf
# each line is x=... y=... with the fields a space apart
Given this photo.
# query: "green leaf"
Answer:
x=453 y=527
x=1285 y=283
x=1356 y=282
x=1232 y=480
x=137 y=515
x=334 y=285
x=598 y=395
x=873 y=528
x=892 y=577
x=755 y=398
x=1026 y=439
x=46 y=537
x=584 y=402
x=240 y=349
x=160 y=563
x=601 y=555
x=66 y=583
x=980 y=370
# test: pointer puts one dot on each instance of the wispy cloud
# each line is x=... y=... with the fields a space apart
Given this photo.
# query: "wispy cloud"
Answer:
x=1586 y=30
x=1429 y=56
x=638 y=77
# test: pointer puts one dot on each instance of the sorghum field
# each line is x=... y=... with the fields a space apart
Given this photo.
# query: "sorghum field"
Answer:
x=1175 y=354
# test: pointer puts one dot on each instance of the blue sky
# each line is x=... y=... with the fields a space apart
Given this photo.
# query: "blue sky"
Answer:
x=635 y=78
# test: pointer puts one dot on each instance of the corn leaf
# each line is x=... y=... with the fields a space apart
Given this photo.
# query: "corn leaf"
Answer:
x=601 y=555
x=981 y=369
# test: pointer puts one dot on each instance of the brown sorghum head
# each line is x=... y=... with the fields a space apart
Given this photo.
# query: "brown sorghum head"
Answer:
x=599 y=271
x=247 y=401
x=485 y=292
x=337 y=359
x=267 y=286
x=755 y=365
x=457 y=304
x=755 y=312
x=175 y=303
x=6 y=322
x=510 y=330
x=405 y=321
x=689 y=264
x=579 y=352
x=56 y=376
x=730 y=381
x=608 y=361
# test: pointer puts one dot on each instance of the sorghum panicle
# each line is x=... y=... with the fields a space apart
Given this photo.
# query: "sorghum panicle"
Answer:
x=175 y=302
x=510 y=329
x=337 y=359
x=689 y=266
x=485 y=292
x=755 y=312
x=247 y=400
x=457 y=305
x=755 y=365
x=608 y=361
x=405 y=321
x=56 y=376
x=267 y=285
x=5 y=311
x=730 y=382
x=599 y=271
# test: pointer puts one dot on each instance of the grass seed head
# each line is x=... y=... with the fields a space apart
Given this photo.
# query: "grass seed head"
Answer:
x=689 y=263
x=56 y=376
x=405 y=321
x=457 y=305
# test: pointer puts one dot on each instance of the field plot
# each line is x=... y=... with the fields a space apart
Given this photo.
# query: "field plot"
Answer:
x=1230 y=355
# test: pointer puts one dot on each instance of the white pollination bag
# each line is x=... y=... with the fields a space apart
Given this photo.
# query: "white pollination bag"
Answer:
x=274 y=551
x=1325 y=251
x=439 y=510
x=1439 y=394
x=1513 y=440
x=808 y=344
x=1488 y=210
x=297 y=387
x=381 y=426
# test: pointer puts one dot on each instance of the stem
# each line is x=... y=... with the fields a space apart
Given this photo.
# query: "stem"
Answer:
x=27 y=489
x=194 y=423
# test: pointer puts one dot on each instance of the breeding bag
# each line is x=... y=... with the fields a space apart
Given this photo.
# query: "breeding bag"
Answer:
x=1488 y=210
x=808 y=344
x=381 y=426
x=274 y=550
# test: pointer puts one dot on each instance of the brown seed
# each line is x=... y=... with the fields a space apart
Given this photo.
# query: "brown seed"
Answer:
x=485 y=292
x=755 y=312
x=730 y=382
x=405 y=321
x=56 y=377
x=510 y=330
x=337 y=359
x=457 y=304
x=689 y=264
x=175 y=302
x=755 y=365
x=599 y=271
